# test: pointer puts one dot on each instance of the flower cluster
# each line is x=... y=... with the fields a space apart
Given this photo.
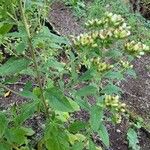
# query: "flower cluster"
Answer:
x=114 y=19
x=109 y=19
x=112 y=102
x=84 y=40
x=122 y=31
x=135 y=48
x=90 y=38
x=101 y=66
x=126 y=64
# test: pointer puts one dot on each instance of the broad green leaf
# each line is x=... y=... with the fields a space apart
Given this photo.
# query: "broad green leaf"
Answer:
x=56 y=138
x=3 y=124
x=78 y=146
x=5 y=146
x=89 y=74
x=59 y=102
x=91 y=145
x=114 y=75
x=87 y=90
x=13 y=66
x=82 y=103
x=131 y=72
x=103 y=133
x=27 y=110
x=16 y=135
x=21 y=47
x=111 y=89
x=96 y=115
x=113 y=53
x=28 y=131
x=28 y=94
x=55 y=64
x=133 y=139
x=77 y=126
x=5 y=28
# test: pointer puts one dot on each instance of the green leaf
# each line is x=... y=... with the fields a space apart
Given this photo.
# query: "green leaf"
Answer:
x=82 y=103
x=113 y=53
x=131 y=72
x=133 y=139
x=5 y=28
x=3 y=124
x=96 y=115
x=28 y=131
x=111 y=89
x=21 y=47
x=78 y=146
x=87 y=90
x=5 y=146
x=91 y=145
x=89 y=74
x=59 y=102
x=114 y=75
x=55 y=64
x=104 y=134
x=16 y=135
x=27 y=110
x=56 y=138
x=77 y=126
x=13 y=66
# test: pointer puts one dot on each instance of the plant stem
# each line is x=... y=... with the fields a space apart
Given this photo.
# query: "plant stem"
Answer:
x=32 y=51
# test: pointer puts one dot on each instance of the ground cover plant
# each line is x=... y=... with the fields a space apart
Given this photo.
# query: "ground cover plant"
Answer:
x=60 y=87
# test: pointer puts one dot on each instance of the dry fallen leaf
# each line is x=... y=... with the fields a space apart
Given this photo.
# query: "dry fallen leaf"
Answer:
x=7 y=94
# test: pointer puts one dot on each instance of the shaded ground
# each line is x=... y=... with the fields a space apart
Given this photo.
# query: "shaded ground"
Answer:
x=63 y=21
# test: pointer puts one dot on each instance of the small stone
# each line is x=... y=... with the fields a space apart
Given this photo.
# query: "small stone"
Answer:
x=119 y=131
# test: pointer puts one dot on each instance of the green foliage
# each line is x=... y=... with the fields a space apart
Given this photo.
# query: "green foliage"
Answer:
x=133 y=139
x=61 y=87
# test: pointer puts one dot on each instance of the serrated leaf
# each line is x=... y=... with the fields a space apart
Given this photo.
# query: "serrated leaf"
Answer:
x=59 y=102
x=87 y=90
x=111 y=89
x=96 y=115
x=13 y=66
x=3 y=124
x=103 y=133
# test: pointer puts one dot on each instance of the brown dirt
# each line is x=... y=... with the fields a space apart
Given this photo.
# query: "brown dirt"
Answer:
x=63 y=20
